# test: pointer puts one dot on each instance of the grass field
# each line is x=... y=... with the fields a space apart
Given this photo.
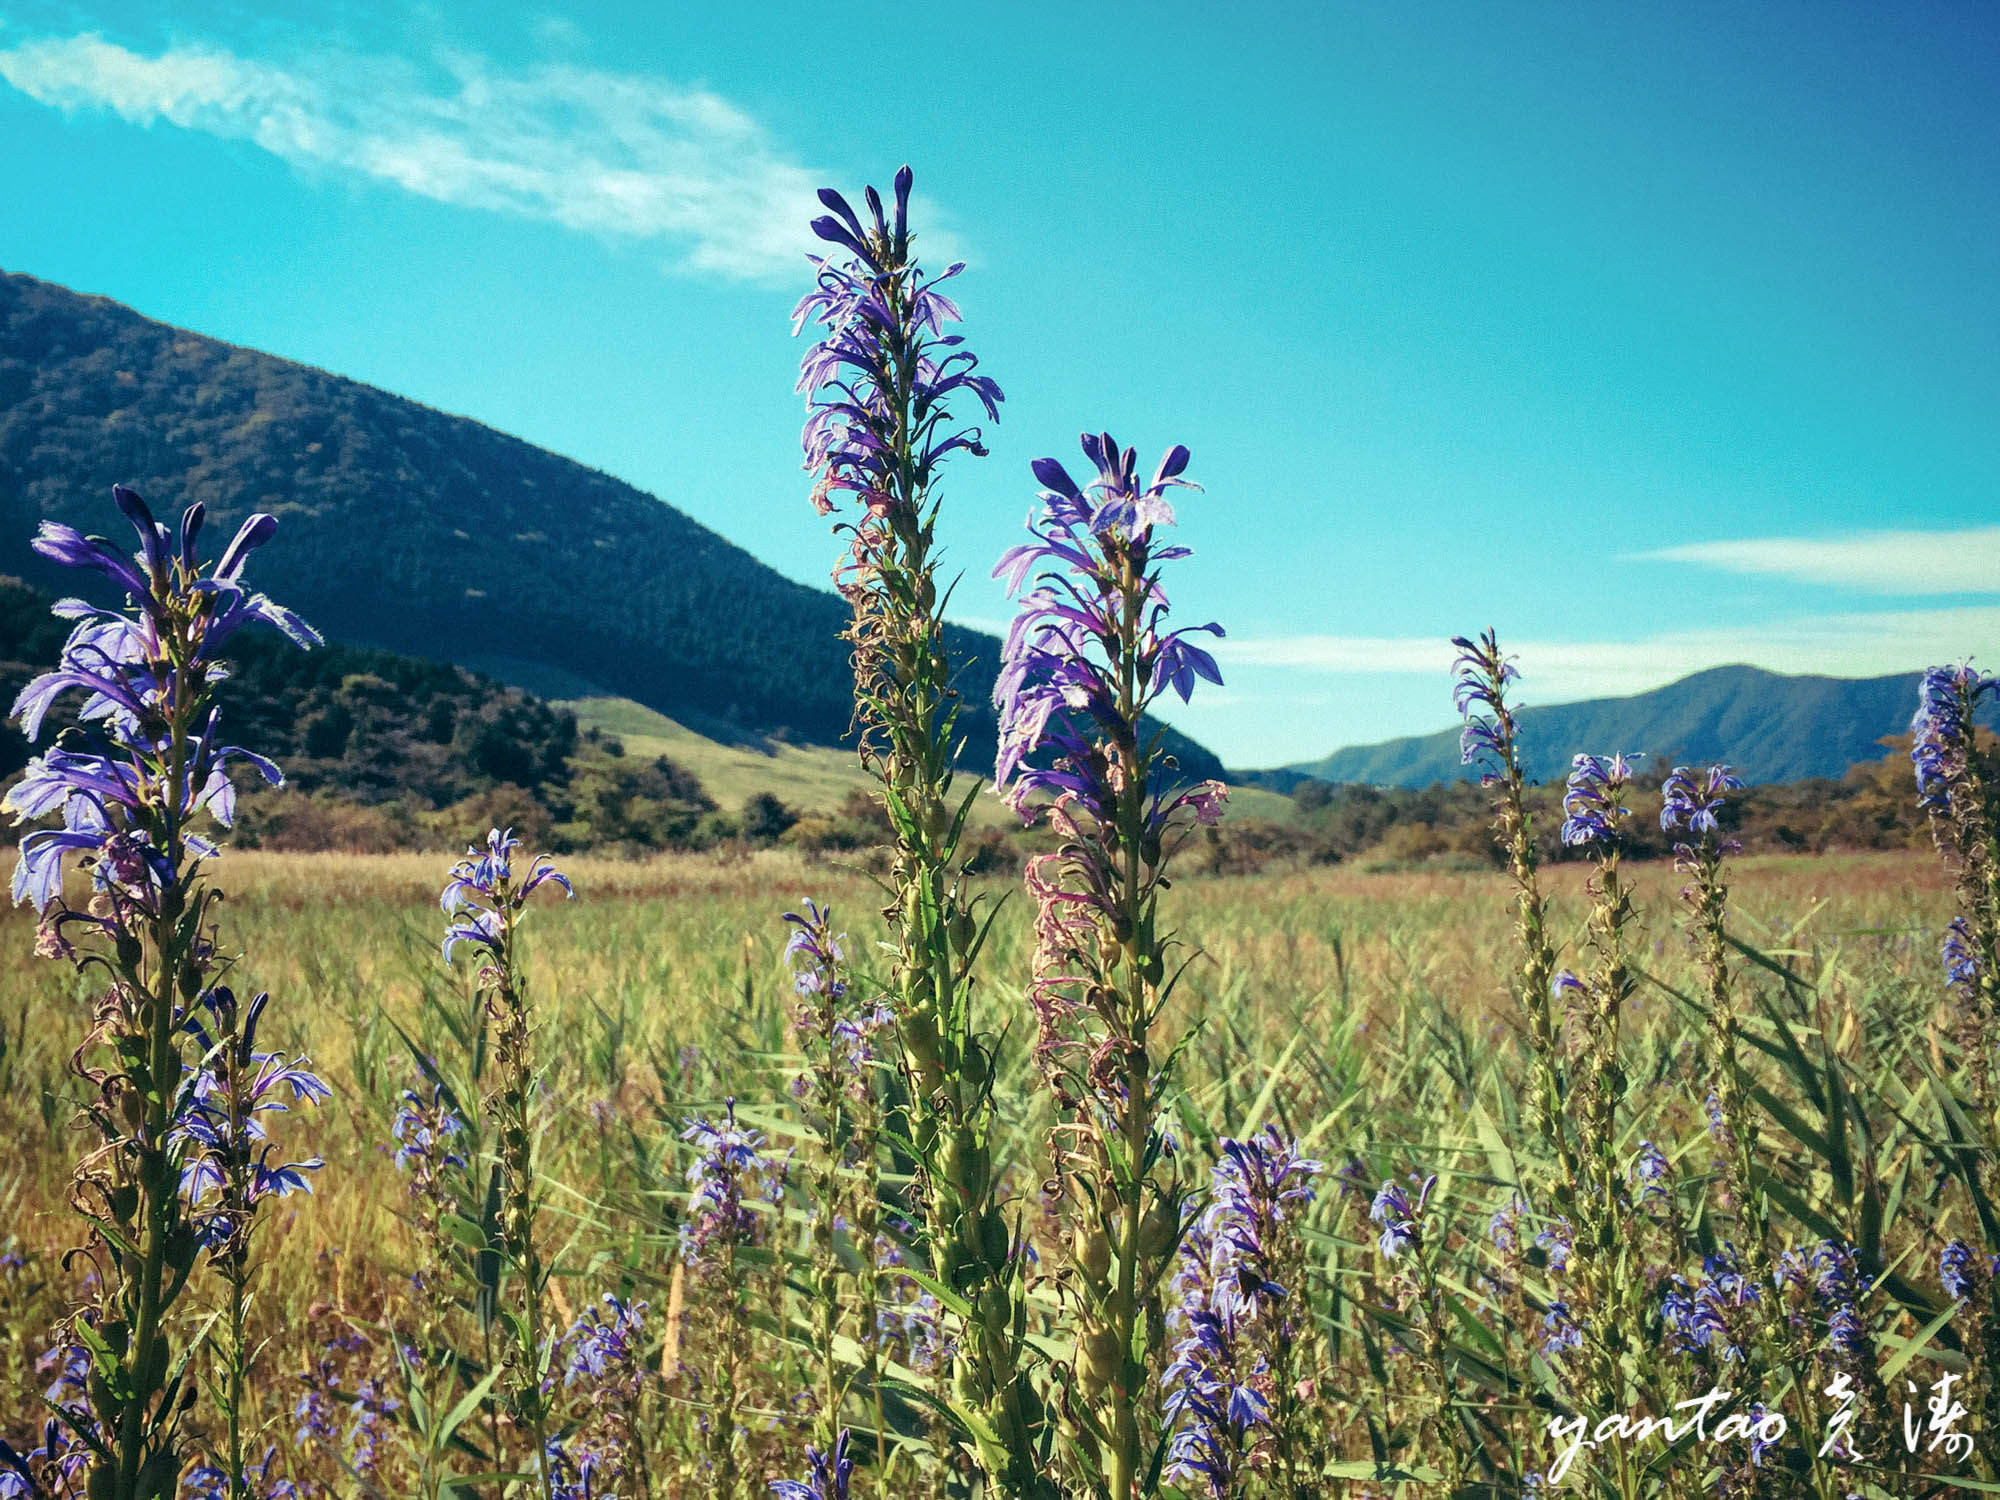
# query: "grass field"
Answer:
x=1364 y=1013
x=810 y=778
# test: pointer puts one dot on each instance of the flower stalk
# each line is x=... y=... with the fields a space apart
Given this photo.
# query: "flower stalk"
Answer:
x=133 y=780
x=837 y=1095
x=1491 y=739
x=1086 y=657
x=880 y=385
x=485 y=903
x=1954 y=789
x=228 y=1172
x=1594 y=818
x=726 y=1172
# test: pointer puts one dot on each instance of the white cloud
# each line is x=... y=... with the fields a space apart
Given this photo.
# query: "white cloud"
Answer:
x=1844 y=645
x=621 y=156
x=1882 y=562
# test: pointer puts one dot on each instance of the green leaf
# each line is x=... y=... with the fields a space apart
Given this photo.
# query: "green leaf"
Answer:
x=1271 y=1080
x=1382 y=1473
x=467 y=1405
x=950 y=1300
x=1914 y=1344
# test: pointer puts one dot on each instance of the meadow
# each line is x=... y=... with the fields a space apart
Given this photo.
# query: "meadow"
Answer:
x=1361 y=1013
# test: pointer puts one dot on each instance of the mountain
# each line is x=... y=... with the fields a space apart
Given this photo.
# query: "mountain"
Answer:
x=426 y=534
x=1770 y=727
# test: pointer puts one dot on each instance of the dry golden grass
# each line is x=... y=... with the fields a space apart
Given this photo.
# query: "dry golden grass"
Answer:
x=1368 y=991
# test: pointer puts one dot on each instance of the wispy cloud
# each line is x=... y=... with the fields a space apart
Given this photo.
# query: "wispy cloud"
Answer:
x=622 y=156
x=1844 y=645
x=1881 y=562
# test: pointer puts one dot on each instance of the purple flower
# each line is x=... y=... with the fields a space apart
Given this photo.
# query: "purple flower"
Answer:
x=134 y=759
x=1711 y=1313
x=424 y=1130
x=1761 y=1443
x=481 y=898
x=1838 y=1282
x=1557 y=1243
x=1947 y=699
x=367 y=1431
x=1401 y=1221
x=1964 y=1270
x=604 y=1344
x=316 y=1422
x=1690 y=804
x=1594 y=811
x=1560 y=1331
x=880 y=383
x=574 y=1466
x=227 y=1165
x=1961 y=957
x=1652 y=1171
x=1480 y=677
x=1566 y=989
x=205 y=1481
x=1227 y=1317
x=1263 y=1179
x=1718 y=1123
x=1057 y=694
x=67 y=1368
x=57 y=1466
x=728 y=1159
x=826 y=1478
x=814 y=954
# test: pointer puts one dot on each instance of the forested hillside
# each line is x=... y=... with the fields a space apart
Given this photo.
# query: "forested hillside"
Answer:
x=423 y=533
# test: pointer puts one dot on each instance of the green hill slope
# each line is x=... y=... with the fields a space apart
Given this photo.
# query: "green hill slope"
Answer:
x=1769 y=726
x=423 y=533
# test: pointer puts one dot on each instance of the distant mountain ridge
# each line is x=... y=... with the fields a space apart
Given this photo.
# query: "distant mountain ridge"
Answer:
x=414 y=531
x=1769 y=726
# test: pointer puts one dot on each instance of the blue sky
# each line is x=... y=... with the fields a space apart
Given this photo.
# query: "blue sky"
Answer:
x=1657 y=337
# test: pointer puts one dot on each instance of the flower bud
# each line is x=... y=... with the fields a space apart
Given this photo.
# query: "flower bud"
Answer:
x=1157 y=1233
x=1091 y=1251
x=1097 y=1359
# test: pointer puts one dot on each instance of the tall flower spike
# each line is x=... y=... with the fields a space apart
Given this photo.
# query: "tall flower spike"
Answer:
x=1482 y=675
x=1480 y=678
x=1595 y=818
x=141 y=783
x=727 y=1171
x=602 y=1360
x=722 y=1178
x=1954 y=786
x=1088 y=655
x=1094 y=561
x=1692 y=805
x=226 y=1155
x=484 y=902
x=1412 y=1238
x=1948 y=699
x=836 y=1094
x=886 y=387
x=1233 y=1359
